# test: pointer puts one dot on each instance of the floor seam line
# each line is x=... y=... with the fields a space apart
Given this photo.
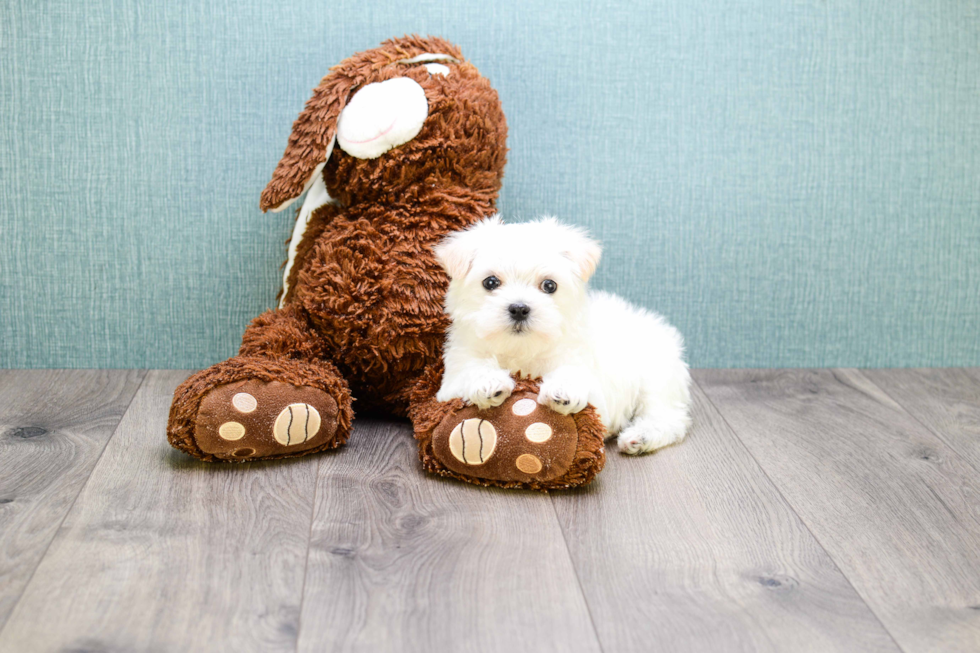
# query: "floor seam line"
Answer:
x=789 y=505
x=309 y=548
x=40 y=561
x=918 y=421
x=578 y=580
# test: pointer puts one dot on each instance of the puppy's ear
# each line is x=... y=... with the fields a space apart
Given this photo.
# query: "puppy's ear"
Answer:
x=583 y=252
x=457 y=252
x=455 y=256
x=312 y=140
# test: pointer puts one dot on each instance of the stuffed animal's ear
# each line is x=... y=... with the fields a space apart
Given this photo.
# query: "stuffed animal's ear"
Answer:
x=457 y=252
x=310 y=144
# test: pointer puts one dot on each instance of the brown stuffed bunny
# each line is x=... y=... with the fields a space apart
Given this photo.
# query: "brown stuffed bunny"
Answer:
x=399 y=146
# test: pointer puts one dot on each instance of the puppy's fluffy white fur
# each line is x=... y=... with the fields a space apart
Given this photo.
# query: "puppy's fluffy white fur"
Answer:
x=588 y=346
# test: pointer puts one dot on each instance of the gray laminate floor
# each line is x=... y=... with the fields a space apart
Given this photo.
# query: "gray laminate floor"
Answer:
x=808 y=510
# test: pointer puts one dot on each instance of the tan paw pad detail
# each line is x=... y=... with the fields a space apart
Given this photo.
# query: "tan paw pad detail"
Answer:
x=231 y=431
x=528 y=464
x=250 y=419
x=473 y=441
x=296 y=424
x=244 y=402
x=538 y=432
x=522 y=441
x=524 y=407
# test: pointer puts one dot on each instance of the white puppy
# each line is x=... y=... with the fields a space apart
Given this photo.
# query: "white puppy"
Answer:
x=519 y=302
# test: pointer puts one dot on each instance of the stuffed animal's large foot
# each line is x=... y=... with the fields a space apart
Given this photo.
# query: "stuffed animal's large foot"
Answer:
x=251 y=409
x=257 y=419
x=519 y=440
x=519 y=443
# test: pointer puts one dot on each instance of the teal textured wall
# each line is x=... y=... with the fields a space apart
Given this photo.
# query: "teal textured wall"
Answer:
x=791 y=183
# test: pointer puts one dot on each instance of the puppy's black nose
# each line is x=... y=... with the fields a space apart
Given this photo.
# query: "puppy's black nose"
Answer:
x=518 y=312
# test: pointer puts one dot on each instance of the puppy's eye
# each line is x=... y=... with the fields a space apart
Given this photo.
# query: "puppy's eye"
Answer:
x=491 y=283
x=549 y=286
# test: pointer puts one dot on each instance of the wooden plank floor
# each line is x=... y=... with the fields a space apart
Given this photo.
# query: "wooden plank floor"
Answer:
x=809 y=510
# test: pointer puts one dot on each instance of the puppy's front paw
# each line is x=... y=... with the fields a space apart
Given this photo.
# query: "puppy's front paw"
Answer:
x=562 y=398
x=490 y=390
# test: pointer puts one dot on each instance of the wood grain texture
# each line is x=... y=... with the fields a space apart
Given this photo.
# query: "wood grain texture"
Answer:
x=946 y=401
x=401 y=561
x=808 y=510
x=163 y=552
x=54 y=425
x=693 y=549
x=893 y=504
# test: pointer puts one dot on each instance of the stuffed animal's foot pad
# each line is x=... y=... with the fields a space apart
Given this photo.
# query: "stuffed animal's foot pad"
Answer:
x=518 y=441
x=257 y=419
x=518 y=444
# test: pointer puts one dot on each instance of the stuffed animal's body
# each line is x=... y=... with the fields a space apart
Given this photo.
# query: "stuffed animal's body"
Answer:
x=398 y=147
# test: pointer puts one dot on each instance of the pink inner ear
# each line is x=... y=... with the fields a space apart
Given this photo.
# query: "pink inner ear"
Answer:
x=586 y=260
x=455 y=258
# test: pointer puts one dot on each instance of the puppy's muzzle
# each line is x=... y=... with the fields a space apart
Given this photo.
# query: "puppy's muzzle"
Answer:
x=519 y=312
